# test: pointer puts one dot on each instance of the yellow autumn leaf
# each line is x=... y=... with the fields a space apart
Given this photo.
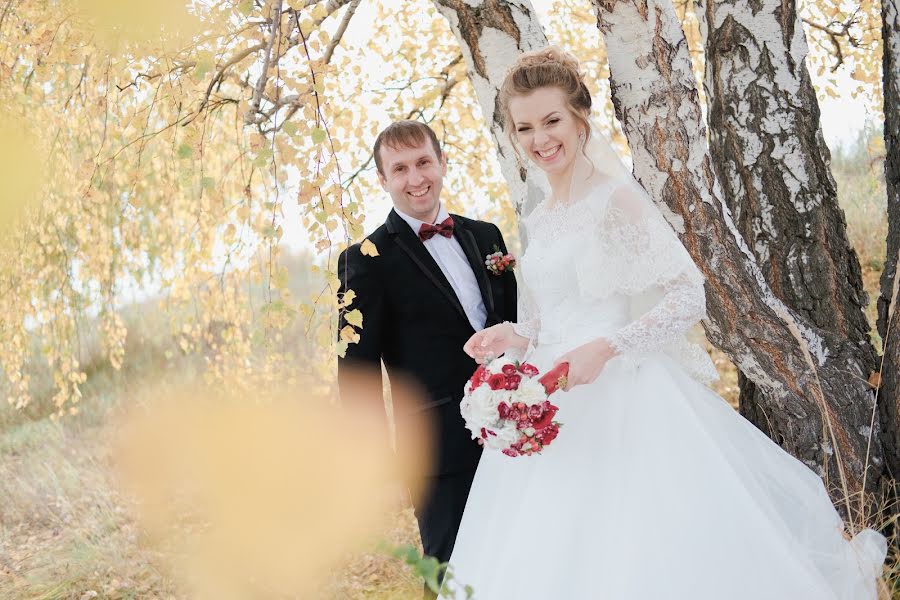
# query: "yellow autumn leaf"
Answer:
x=349 y=297
x=264 y=533
x=354 y=317
x=368 y=248
x=349 y=335
x=319 y=11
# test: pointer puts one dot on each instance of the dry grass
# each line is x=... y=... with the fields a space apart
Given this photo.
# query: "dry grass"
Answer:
x=65 y=529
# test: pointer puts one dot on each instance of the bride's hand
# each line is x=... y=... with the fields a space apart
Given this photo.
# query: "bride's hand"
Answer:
x=491 y=342
x=586 y=362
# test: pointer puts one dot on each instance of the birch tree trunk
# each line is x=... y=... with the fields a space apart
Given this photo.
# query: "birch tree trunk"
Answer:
x=773 y=165
x=657 y=102
x=491 y=34
x=888 y=321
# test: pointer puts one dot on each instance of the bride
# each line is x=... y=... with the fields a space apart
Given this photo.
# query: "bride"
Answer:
x=655 y=488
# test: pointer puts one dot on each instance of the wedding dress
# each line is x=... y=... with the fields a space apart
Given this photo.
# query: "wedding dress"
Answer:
x=655 y=488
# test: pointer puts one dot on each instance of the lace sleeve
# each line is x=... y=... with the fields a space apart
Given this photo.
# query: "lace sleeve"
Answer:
x=634 y=252
x=633 y=247
x=528 y=324
x=683 y=304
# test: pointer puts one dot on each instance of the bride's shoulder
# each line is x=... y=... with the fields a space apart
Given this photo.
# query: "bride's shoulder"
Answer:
x=602 y=195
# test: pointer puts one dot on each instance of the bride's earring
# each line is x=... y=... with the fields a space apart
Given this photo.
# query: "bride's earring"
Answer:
x=581 y=136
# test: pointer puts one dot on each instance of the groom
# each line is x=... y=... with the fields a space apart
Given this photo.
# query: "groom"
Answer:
x=422 y=297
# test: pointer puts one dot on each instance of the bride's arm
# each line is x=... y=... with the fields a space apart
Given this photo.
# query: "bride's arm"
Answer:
x=512 y=339
x=636 y=251
x=681 y=307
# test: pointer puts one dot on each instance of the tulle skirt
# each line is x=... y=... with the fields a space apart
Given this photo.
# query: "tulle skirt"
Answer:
x=656 y=489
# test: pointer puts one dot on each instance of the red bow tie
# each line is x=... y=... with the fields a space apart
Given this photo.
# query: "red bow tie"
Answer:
x=444 y=228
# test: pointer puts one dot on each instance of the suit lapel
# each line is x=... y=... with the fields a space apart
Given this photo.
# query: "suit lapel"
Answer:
x=410 y=244
x=466 y=239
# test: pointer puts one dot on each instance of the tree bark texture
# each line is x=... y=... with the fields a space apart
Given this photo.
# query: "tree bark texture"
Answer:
x=491 y=34
x=773 y=165
x=788 y=358
x=888 y=321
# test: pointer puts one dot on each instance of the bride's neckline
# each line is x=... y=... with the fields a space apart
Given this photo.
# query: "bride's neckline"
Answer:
x=550 y=206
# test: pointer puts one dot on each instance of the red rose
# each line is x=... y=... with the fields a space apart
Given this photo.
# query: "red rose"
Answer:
x=497 y=381
x=503 y=410
x=513 y=381
x=528 y=369
x=555 y=378
x=549 y=434
x=477 y=377
x=509 y=370
x=535 y=411
x=546 y=420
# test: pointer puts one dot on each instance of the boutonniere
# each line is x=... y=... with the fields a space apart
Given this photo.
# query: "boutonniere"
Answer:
x=498 y=263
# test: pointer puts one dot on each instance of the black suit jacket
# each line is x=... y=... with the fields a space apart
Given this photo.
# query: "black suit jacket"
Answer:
x=414 y=322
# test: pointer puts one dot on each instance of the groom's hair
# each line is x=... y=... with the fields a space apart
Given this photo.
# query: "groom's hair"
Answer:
x=404 y=134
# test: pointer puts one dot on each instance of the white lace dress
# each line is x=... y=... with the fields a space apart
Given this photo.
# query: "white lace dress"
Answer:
x=655 y=488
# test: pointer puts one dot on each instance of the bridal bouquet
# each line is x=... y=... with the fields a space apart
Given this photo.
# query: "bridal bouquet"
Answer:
x=506 y=406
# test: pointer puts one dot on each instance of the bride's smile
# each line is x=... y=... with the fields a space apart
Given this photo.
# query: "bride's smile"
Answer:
x=547 y=130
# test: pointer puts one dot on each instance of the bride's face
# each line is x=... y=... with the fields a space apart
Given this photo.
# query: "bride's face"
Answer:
x=546 y=129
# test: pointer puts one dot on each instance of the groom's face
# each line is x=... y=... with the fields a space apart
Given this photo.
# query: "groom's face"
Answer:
x=413 y=176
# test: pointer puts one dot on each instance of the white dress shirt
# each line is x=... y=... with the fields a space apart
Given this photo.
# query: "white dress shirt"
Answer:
x=451 y=259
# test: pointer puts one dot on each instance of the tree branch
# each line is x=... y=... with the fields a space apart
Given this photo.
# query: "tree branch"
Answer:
x=835 y=35
x=264 y=74
x=326 y=58
x=220 y=76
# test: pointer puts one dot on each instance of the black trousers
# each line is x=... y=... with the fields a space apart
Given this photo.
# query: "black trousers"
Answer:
x=440 y=512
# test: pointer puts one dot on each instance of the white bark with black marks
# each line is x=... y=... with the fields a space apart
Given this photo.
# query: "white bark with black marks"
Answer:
x=656 y=100
x=771 y=159
x=888 y=316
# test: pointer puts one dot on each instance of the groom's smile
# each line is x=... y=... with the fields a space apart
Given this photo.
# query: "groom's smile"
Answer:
x=419 y=194
x=413 y=175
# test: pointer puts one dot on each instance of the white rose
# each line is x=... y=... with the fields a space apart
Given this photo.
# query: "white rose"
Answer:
x=506 y=436
x=530 y=392
x=479 y=408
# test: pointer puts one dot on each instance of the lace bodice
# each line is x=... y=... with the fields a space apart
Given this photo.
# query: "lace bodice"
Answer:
x=610 y=266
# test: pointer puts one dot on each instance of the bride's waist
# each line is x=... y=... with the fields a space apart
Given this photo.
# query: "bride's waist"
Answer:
x=576 y=331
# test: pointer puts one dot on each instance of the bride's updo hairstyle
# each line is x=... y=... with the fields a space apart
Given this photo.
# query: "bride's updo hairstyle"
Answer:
x=547 y=67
